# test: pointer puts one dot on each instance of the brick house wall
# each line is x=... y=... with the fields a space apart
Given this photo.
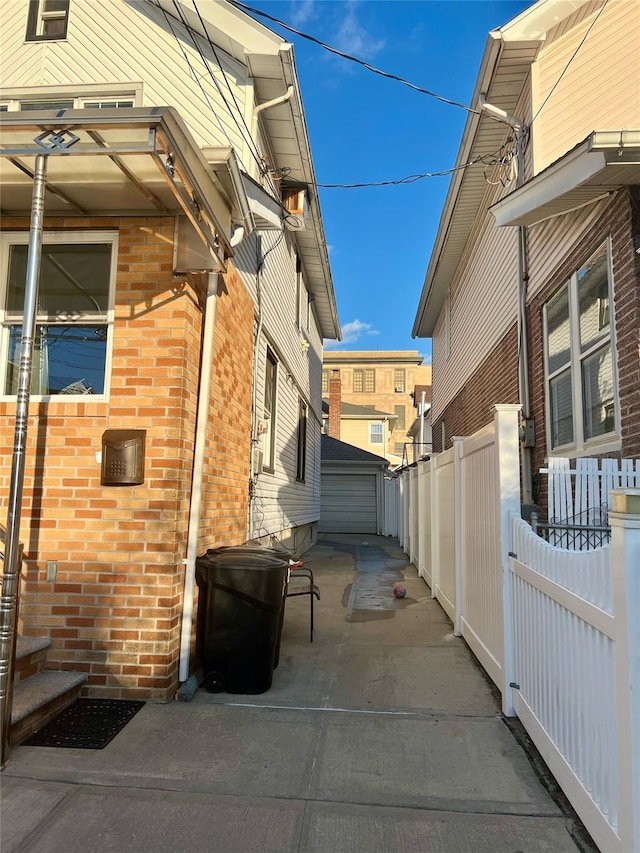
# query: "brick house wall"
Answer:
x=618 y=223
x=114 y=608
x=495 y=381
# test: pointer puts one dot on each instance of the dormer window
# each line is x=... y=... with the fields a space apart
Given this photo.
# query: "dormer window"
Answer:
x=47 y=20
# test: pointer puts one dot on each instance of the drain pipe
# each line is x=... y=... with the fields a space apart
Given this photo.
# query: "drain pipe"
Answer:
x=196 y=484
x=12 y=555
x=254 y=400
x=527 y=436
x=275 y=102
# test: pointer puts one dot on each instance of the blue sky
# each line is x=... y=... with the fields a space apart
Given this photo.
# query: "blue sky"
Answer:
x=365 y=128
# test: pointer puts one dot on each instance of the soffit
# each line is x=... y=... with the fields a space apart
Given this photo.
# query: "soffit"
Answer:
x=286 y=129
x=506 y=67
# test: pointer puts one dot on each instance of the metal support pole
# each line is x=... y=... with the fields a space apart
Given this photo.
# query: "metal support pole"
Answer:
x=12 y=556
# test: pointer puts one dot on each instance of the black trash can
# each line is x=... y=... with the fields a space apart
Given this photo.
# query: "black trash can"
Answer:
x=243 y=590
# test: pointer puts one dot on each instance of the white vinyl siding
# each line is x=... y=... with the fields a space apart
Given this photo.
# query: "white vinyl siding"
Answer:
x=281 y=501
x=136 y=40
x=349 y=503
x=482 y=308
x=550 y=242
x=607 y=68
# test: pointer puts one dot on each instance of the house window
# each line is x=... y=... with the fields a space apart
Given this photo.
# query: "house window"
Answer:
x=73 y=320
x=364 y=380
x=375 y=434
x=47 y=20
x=398 y=448
x=400 y=416
x=301 y=455
x=302 y=299
x=108 y=104
x=399 y=381
x=580 y=378
x=325 y=381
x=269 y=412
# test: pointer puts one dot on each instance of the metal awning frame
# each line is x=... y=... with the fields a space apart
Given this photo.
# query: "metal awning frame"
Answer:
x=168 y=144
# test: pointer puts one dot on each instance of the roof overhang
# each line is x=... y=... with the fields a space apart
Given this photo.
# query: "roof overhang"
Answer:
x=506 y=63
x=286 y=130
x=134 y=162
x=604 y=162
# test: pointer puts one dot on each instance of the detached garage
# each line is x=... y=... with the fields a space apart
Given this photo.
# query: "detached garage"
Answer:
x=352 y=489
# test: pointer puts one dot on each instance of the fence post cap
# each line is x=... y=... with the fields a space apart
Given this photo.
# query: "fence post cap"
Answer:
x=625 y=501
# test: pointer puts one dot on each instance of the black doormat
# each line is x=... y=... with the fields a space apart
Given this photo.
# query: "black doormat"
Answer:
x=87 y=724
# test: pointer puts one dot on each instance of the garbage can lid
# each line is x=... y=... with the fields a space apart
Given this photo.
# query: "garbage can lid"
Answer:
x=241 y=558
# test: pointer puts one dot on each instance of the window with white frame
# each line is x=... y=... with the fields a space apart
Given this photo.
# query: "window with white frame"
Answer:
x=301 y=450
x=73 y=315
x=269 y=411
x=47 y=20
x=303 y=304
x=579 y=361
x=376 y=435
x=109 y=101
x=364 y=380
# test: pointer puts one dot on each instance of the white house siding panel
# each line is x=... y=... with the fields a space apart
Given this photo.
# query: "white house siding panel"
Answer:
x=483 y=305
x=280 y=501
x=608 y=70
x=551 y=241
x=137 y=35
x=349 y=503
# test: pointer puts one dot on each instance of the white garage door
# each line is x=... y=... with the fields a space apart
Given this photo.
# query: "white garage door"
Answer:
x=348 y=503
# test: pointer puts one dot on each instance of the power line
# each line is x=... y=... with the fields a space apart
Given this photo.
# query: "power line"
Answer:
x=372 y=68
x=501 y=157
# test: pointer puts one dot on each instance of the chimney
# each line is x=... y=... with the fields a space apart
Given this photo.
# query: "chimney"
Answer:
x=335 y=397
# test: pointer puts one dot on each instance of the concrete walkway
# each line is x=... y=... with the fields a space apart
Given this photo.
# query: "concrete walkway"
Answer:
x=382 y=736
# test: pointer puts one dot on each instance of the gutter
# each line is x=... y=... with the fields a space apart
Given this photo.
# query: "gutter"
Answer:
x=202 y=422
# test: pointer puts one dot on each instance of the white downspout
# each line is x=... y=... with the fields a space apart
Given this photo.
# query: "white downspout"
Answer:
x=282 y=99
x=196 y=484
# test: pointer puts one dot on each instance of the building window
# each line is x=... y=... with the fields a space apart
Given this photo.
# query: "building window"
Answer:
x=110 y=102
x=364 y=380
x=269 y=412
x=398 y=448
x=74 y=311
x=47 y=20
x=302 y=299
x=399 y=381
x=580 y=380
x=376 y=435
x=325 y=381
x=400 y=416
x=301 y=455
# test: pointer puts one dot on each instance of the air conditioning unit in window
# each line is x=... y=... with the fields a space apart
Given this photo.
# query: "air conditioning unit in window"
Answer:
x=294 y=201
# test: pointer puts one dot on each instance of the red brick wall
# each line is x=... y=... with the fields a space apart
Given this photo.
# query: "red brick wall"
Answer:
x=495 y=381
x=617 y=223
x=114 y=609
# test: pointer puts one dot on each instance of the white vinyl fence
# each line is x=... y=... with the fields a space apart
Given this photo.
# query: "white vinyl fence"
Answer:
x=557 y=630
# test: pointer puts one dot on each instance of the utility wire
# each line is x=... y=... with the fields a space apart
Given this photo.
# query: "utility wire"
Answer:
x=372 y=68
x=564 y=70
x=252 y=147
x=501 y=157
x=248 y=138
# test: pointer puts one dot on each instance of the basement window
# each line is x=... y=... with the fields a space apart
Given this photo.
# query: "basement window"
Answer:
x=47 y=20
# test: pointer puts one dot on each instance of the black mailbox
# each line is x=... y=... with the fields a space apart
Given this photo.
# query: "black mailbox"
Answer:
x=123 y=457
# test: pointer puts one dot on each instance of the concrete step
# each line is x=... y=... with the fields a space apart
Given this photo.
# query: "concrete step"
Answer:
x=40 y=698
x=31 y=656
